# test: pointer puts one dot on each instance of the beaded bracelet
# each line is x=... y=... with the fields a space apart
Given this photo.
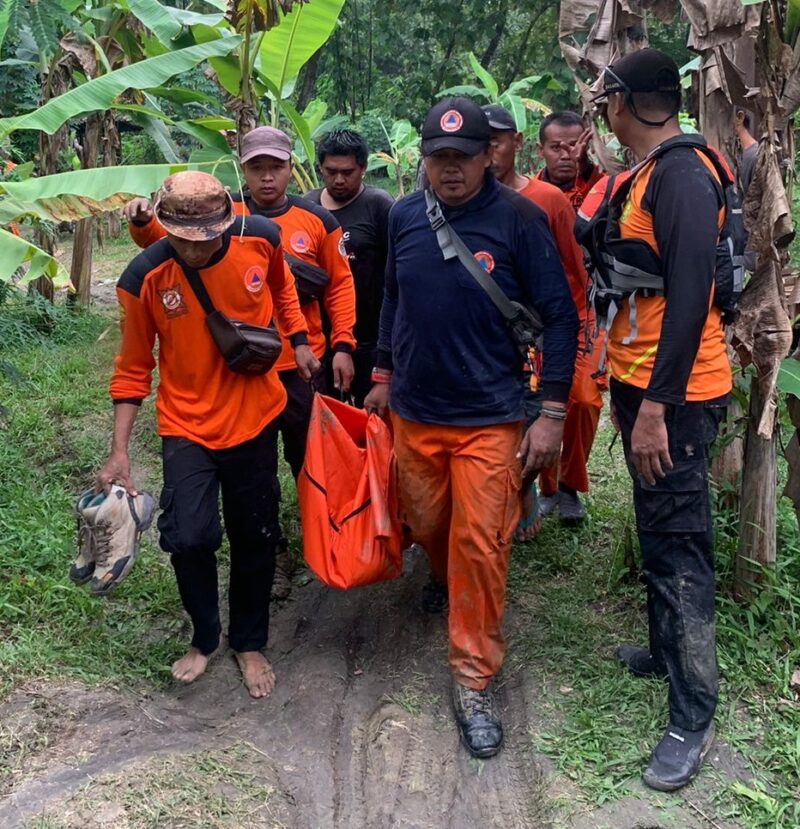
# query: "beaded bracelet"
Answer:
x=381 y=375
x=554 y=414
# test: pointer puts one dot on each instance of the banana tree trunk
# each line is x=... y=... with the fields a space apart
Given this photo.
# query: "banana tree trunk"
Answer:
x=81 y=268
x=757 y=530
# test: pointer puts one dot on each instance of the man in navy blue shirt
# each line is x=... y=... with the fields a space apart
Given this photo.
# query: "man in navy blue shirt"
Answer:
x=450 y=373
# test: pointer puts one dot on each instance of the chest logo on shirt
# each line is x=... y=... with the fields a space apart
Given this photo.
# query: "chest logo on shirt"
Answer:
x=343 y=246
x=299 y=241
x=485 y=260
x=254 y=279
x=451 y=121
x=172 y=301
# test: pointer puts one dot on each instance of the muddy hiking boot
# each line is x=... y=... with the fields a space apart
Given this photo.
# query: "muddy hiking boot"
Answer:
x=82 y=568
x=677 y=758
x=116 y=523
x=434 y=597
x=478 y=721
x=640 y=662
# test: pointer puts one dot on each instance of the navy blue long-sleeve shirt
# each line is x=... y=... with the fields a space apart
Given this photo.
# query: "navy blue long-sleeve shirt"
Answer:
x=453 y=360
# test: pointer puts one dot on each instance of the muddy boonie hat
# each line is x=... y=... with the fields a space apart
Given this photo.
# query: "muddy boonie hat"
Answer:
x=266 y=141
x=455 y=124
x=194 y=206
x=499 y=117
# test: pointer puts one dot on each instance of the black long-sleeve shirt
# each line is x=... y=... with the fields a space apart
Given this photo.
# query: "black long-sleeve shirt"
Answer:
x=678 y=352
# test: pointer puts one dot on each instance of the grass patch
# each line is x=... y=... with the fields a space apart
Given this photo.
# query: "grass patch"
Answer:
x=229 y=788
x=580 y=596
x=55 y=428
x=415 y=696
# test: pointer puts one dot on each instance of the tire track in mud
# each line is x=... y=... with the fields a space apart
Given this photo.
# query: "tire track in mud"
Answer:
x=358 y=734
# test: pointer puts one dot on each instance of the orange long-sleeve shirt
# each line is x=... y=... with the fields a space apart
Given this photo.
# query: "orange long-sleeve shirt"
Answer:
x=198 y=396
x=561 y=218
x=580 y=188
x=312 y=234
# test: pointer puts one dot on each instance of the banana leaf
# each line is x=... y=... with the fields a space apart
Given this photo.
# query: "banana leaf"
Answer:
x=6 y=8
x=289 y=45
x=65 y=197
x=165 y=22
x=489 y=83
x=468 y=89
x=792 y=24
x=16 y=252
x=100 y=93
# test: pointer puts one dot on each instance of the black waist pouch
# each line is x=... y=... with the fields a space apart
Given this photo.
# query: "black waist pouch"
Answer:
x=309 y=280
x=247 y=349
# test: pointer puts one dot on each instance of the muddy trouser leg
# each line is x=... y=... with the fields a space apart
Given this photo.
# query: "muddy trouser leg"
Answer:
x=673 y=520
x=249 y=479
x=191 y=532
x=485 y=477
x=423 y=465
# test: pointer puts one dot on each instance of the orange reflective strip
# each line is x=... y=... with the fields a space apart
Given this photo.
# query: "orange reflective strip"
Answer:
x=638 y=361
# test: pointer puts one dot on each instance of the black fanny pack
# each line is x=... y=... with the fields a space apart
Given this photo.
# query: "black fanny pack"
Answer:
x=309 y=280
x=246 y=349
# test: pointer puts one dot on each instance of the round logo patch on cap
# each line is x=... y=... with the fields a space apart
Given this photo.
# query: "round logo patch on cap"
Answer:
x=485 y=260
x=254 y=279
x=451 y=121
x=299 y=241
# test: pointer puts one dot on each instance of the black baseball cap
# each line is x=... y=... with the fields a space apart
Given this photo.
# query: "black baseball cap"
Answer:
x=455 y=124
x=499 y=117
x=646 y=70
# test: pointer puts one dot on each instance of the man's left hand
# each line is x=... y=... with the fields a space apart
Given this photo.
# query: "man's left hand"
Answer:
x=343 y=371
x=650 y=443
x=307 y=364
x=541 y=445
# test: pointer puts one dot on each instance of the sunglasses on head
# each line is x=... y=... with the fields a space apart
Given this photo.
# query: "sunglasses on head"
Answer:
x=616 y=85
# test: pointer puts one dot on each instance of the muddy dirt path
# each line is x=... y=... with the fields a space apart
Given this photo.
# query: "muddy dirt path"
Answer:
x=358 y=733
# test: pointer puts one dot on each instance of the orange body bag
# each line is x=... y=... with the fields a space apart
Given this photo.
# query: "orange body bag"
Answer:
x=347 y=494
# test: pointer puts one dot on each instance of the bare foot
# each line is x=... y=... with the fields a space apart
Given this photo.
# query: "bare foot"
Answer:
x=190 y=666
x=257 y=673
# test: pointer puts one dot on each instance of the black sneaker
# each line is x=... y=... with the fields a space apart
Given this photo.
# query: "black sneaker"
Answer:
x=434 y=597
x=571 y=510
x=677 y=758
x=477 y=720
x=640 y=662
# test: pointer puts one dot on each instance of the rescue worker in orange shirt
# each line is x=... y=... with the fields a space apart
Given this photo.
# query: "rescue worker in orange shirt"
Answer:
x=670 y=381
x=585 y=402
x=219 y=428
x=564 y=147
x=312 y=237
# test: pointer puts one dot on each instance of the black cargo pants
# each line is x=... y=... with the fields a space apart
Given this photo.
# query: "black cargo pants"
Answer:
x=191 y=531
x=673 y=522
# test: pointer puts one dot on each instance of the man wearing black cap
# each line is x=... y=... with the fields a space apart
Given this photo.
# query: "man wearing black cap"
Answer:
x=450 y=373
x=669 y=384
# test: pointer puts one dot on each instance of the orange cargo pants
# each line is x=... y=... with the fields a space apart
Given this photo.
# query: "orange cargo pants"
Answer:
x=583 y=415
x=459 y=494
